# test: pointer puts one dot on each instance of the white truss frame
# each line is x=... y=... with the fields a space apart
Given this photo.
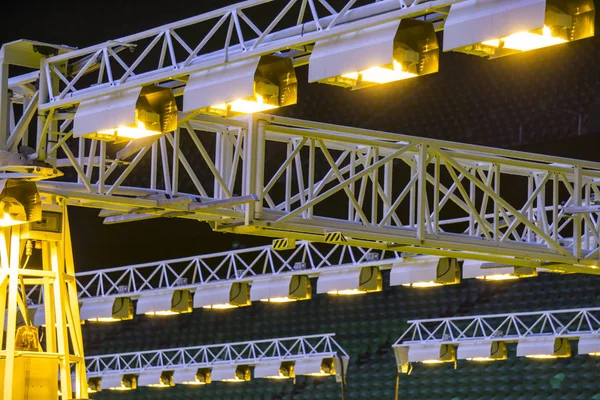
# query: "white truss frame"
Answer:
x=510 y=327
x=240 y=353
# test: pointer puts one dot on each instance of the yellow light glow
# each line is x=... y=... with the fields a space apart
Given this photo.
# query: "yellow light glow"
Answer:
x=318 y=374
x=245 y=106
x=224 y=306
x=278 y=300
x=195 y=383
x=381 y=74
x=161 y=313
x=432 y=362
x=499 y=277
x=7 y=220
x=278 y=377
x=481 y=359
x=347 y=292
x=120 y=388
x=131 y=132
x=104 y=319
x=422 y=284
x=542 y=356
x=595 y=354
x=158 y=385
x=524 y=41
x=236 y=379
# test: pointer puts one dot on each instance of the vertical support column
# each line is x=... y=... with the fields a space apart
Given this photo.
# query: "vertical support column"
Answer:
x=223 y=162
x=175 y=165
x=496 y=171
x=436 y=195
x=254 y=160
x=577 y=189
x=4 y=104
x=12 y=245
x=375 y=192
x=41 y=144
x=311 y=175
x=61 y=323
x=388 y=179
x=421 y=191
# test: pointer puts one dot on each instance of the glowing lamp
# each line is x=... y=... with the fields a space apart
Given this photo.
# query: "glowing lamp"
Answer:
x=243 y=87
x=589 y=345
x=230 y=373
x=282 y=289
x=315 y=367
x=132 y=114
x=482 y=351
x=385 y=53
x=431 y=353
x=425 y=273
x=107 y=310
x=156 y=379
x=192 y=376
x=94 y=385
x=219 y=297
x=495 y=272
x=176 y=302
x=20 y=202
x=283 y=370
x=350 y=282
x=492 y=29
x=544 y=348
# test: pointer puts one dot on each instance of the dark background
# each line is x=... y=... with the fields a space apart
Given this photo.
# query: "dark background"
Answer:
x=470 y=100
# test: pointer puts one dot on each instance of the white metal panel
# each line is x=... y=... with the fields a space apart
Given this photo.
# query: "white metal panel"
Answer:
x=111 y=381
x=154 y=303
x=355 y=51
x=419 y=272
x=474 y=350
x=472 y=269
x=271 y=288
x=96 y=309
x=149 y=378
x=264 y=370
x=222 y=372
x=343 y=280
x=310 y=366
x=589 y=344
x=418 y=353
x=535 y=346
x=184 y=375
x=212 y=295
x=475 y=21
x=107 y=112
x=219 y=85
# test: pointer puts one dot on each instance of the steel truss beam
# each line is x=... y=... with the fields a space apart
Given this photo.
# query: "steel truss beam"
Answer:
x=506 y=327
x=240 y=353
x=380 y=190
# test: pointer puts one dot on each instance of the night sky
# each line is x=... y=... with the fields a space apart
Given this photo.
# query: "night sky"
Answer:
x=470 y=100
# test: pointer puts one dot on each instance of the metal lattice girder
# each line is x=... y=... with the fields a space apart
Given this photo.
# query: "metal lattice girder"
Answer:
x=506 y=327
x=240 y=353
x=167 y=55
x=377 y=189
x=244 y=264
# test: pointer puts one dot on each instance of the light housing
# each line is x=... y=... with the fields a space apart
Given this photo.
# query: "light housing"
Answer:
x=431 y=353
x=492 y=29
x=283 y=370
x=131 y=114
x=230 y=373
x=379 y=54
x=107 y=310
x=316 y=367
x=20 y=202
x=118 y=382
x=282 y=289
x=544 y=348
x=177 y=302
x=490 y=271
x=589 y=345
x=349 y=282
x=426 y=273
x=482 y=351
x=232 y=295
x=192 y=376
x=94 y=385
x=156 y=379
x=254 y=85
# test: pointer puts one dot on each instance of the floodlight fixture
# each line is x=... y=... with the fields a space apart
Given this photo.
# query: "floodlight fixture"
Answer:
x=230 y=373
x=426 y=273
x=283 y=370
x=177 y=302
x=20 y=202
x=491 y=28
x=118 y=382
x=316 y=367
x=192 y=376
x=380 y=54
x=432 y=353
x=255 y=85
x=107 y=310
x=282 y=289
x=544 y=347
x=157 y=379
x=219 y=297
x=94 y=385
x=482 y=351
x=589 y=344
x=495 y=272
x=128 y=115
x=350 y=282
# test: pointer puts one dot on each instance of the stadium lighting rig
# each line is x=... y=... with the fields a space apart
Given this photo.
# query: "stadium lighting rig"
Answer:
x=538 y=335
